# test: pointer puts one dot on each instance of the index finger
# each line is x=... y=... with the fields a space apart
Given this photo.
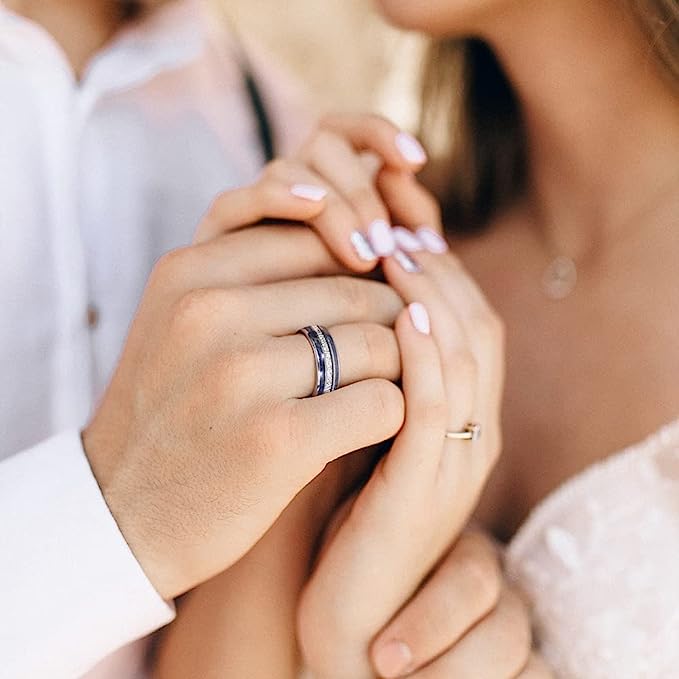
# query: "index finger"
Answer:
x=397 y=148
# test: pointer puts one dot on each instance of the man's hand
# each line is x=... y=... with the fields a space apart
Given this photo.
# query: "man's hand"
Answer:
x=205 y=434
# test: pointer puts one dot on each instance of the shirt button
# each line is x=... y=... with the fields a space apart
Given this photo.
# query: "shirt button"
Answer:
x=92 y=316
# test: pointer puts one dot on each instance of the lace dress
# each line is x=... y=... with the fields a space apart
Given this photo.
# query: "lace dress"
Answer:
x=599 y=560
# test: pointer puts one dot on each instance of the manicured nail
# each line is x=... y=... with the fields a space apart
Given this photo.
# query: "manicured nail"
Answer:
x=362 y=247
x=394 y=659
x=382 y=238
x=407 y=240
x=309 y=192
x=407 y=263
x=410 y=148
x=420 y=318
x=432 y=241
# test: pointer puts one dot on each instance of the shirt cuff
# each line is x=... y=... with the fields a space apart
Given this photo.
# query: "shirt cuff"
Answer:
x=72 y=590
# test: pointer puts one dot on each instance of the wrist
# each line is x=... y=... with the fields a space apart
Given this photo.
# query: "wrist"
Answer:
x=124 y=504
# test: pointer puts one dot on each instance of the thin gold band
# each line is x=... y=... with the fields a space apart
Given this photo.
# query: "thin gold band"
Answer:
x=472 y=432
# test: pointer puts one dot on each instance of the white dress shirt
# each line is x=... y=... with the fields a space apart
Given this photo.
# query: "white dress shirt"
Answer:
x=98 y=179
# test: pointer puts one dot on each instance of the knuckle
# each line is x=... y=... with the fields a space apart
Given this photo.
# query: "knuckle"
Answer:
x=371 y=344
x=490 y=329
x=191 y=310
x=197 y=311
x=431 y=414
x=218 y=205
x=387 y=403
x=170 y=266
x=278 y=168
x=267 y=193
x=350 y=295
x=318 y=143
x=481 y=572
x=464 y=366
x=364 y=198
x=380 y=124
x=237 y=370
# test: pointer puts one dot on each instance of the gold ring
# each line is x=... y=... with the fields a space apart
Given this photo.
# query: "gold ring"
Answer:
x=472 y=432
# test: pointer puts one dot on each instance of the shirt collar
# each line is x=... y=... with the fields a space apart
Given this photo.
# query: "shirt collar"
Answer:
x=168 y=38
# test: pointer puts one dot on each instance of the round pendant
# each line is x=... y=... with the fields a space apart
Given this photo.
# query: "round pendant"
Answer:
x=560 y=278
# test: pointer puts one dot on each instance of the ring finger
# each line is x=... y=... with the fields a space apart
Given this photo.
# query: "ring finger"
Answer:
x=365 y=350
x=448 y=331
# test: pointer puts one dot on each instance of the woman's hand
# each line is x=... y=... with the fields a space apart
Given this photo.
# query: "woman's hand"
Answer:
x=205 y=434
x=464 y=622
x=360 y=169
x=423 y=492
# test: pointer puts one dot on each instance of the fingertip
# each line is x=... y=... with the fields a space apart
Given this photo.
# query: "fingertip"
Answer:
x=381 y=238
x=392 y=659
x=297 y=202
x=362 y=256
x=309 y=192
x=419 y=317
x=410 y=149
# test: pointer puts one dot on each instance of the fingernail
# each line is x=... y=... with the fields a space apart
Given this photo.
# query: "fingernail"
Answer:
x=394 y=659
x=309 y=192
x=407 y=240
x=432 y=241
x=407 y=263
x=382 y=238
x=362 y=247
x=420 y=318
x=410 y=148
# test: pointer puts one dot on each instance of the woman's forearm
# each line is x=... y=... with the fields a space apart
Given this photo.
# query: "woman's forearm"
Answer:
x=242 y=623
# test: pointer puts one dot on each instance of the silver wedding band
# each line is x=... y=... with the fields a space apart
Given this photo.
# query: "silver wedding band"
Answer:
x=326 y=358
x=472 y=432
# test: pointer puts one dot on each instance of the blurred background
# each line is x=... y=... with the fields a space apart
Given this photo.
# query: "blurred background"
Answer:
x=376 y=69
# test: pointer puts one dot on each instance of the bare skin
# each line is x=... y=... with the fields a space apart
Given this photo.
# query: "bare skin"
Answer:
x=581 y=112
x=597 y=371
x=81 y=27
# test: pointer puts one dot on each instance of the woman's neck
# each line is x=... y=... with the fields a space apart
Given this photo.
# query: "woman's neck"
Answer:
x=602 y=123
x=80 y=27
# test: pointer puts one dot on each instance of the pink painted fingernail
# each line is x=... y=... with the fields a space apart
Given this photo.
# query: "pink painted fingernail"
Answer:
x=410 y=148
x=362 y=247
x=393 y=659
x=309 y=192
x=406 y=262
x=420 y=318
x=432 y=241
x=407 y=240
x=382 y=238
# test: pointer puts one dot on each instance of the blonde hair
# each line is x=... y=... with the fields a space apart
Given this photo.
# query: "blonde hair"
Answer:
x=471 y=116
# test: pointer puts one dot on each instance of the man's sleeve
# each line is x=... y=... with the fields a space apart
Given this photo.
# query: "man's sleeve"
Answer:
x=71 y=591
